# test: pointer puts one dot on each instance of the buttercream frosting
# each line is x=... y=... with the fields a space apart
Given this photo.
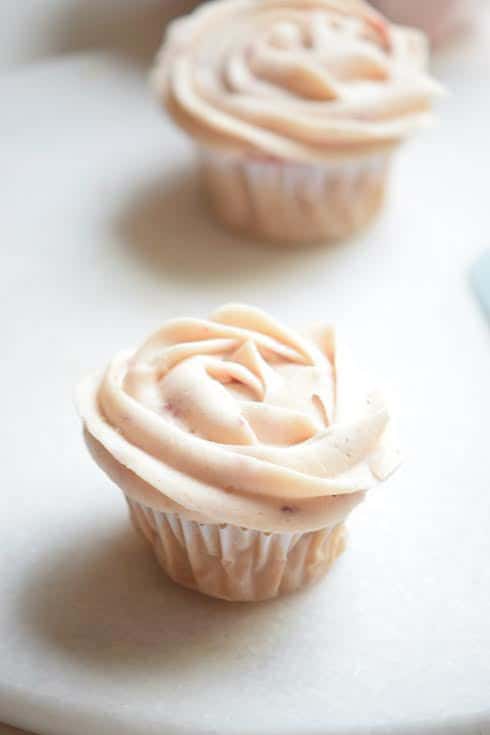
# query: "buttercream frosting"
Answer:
x=295 y=79
x=237 y=419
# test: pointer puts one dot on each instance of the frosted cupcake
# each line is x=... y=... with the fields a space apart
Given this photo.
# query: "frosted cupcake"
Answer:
x=241 y=447
x=296 y=107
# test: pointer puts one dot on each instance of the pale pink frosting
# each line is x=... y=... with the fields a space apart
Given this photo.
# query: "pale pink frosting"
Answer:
x=238 y=420
x=295 y=79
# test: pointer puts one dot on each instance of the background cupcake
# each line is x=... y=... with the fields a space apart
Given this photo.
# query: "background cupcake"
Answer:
x=439 y=19
x=296 y=108
x=241 y=447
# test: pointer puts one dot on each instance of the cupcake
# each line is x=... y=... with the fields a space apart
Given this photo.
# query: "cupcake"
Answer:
x=439 y=19
x=241 y=447
x=296 y=107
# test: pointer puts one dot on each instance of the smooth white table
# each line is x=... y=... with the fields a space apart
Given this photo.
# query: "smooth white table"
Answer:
x=103 y=238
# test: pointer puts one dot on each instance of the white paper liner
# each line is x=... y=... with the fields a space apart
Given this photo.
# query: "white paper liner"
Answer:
x=234 y=563
x=294 y=202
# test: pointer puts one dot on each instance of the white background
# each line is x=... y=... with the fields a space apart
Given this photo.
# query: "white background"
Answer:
x=103 y=237
x=33 y=30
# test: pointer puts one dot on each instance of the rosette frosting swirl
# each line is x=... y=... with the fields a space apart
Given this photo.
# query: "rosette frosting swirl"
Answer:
x=238 y=420
x=295 y=79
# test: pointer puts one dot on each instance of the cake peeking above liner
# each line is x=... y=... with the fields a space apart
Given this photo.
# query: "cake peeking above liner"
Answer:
x=295 y=79
x=240 y=420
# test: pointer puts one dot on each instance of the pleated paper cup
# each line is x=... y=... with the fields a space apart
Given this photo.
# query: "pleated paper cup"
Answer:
x=294 y=203
x=232 y=563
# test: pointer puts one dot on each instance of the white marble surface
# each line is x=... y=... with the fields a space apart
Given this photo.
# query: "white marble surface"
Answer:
x=103 y=238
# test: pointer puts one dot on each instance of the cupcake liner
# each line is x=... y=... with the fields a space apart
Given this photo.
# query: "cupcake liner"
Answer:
x=292 y=202
x=233 y=563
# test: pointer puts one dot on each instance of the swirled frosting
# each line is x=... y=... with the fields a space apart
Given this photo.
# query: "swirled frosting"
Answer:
x=238 y=420
x=294 y=79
